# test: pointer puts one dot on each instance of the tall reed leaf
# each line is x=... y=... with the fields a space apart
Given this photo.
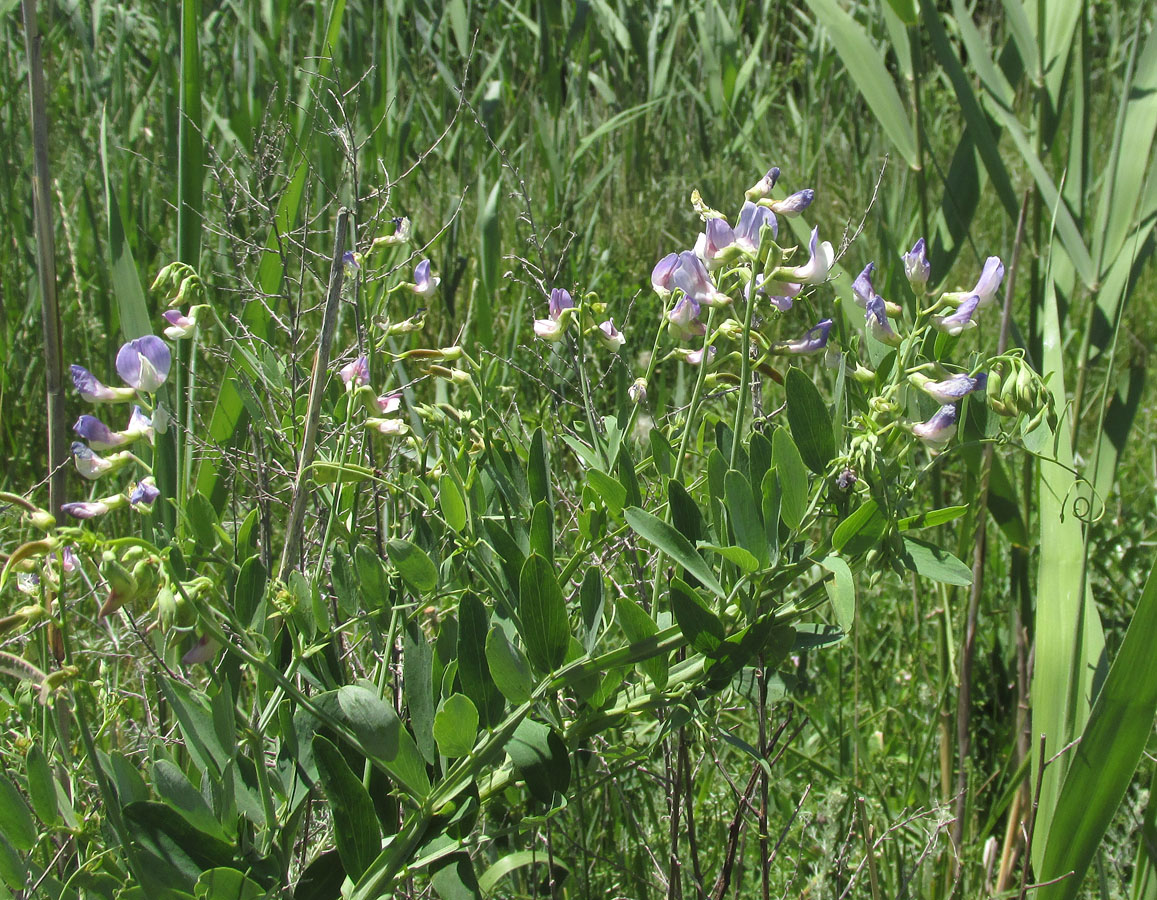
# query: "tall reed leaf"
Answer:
x=1111 y=746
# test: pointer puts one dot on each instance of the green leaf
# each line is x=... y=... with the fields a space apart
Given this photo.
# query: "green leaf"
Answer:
x=745 y=517
x=541 y=758
x=473 y=667
x=811 y=423
x=375 y=591
x=841 y=590
x=861 y=530
x=519 y=859
x=456 y=726
x=1111 y=746
x=418 y=687
x=227 y=884
x=412 y=563
x=701 y=627
x=41 y=785
x=675 y=545
x=181 y=848
x=538 y=470
x=543 y=612
x=759 y=454
x=685 y=513
x=542 y=531
x=628 y=477
x=591 y=601
x=372 y=720
x=175 y=789
x=935 y=563
x=614 y=495
x=249 y=590
x=865 y=64
x=932 y=518
x=508 y=666
x=736 y=555
x=355 y=825
x=641 y=629
x=451 y=503
x=905 y=10
x=16 y=822
x=793 y=478
x=345 y=586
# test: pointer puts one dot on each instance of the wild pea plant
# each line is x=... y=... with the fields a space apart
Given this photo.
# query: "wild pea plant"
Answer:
x=412 y=696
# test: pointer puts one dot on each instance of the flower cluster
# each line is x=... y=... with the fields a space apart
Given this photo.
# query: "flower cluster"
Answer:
x=561 y=311
x=143 y=364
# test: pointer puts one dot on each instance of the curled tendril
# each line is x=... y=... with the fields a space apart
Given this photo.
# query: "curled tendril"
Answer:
x=1082 y=503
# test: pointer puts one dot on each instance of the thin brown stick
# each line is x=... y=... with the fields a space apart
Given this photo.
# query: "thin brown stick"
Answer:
x=46 y=265
x=292 y=551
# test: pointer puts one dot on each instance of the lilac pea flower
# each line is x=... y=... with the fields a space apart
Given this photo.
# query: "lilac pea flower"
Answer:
x=140 y=425
x=611 y=337
x=144 y=494
x=959 y=320
x=752 y=218
x=795 y=204
x=694 y=357
x=940 y=429
x=693 y=279
x=846 y=479
x=763 y=187
x=950 y=389
x=989 y=281
x=86 y=509
x=713 y=243
x=143 y=363
x=92 y=390
x=877 y=322
x=778 y=293
x=355 y=374
x=560 y=299
x=180 y=325
x=388 y=427
x=424 y=283
x=562 y=310
x=916 y=266
x=400 y=236
x=389 y=403
x=68 y=561
x=814 y=340
x=661 y=275
x=92 y=465
x=98 y=435
x=351 y=261
x=683 y=320
x=815 y=271
x=862 y=287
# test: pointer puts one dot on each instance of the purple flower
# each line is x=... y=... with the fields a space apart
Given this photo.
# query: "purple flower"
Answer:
x=795 y=204
x=638 y=390
x=143 y=363
x=661 y=275
x=351 y=261
x=940 y=429
x=561 y=310
x=950 y=389
x=424 y=282
x=94 y=391
x=389 y=403
x=713 y=243
x=752 y=218
x=611 y=337
x=815 y=271
x=846 y=479
x=989 y=281
x=180 y=325
x=779 y=293
x=99 y=435
x=693 y=279
x=140 y=425
x=388 y=427
x=877 y=322
x=763 y=187
x=814 y=340
x=683 y=320
x=85 y=510
x=355 y=374
x=200 y=652
x=916 y=266
x=862 y=286
x=694 y=357
x=144 y=493
x=959 y=320
x=90 y=465
x=68 y=560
